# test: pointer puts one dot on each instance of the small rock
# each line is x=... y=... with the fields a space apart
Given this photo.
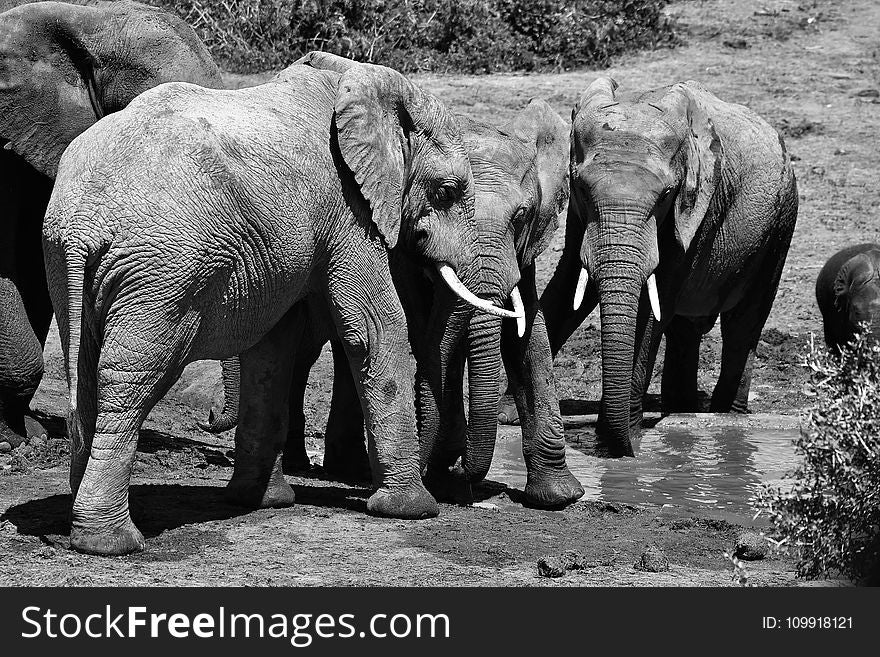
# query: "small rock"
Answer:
x=572 y=560
x=653 y=560
x=750 y=546
x=551 y=567
x=5 y=447
x=737 y=44
x=485 y=505
x=868 y=93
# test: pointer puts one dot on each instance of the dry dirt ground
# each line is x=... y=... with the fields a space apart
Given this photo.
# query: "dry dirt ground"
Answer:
x=810 y=68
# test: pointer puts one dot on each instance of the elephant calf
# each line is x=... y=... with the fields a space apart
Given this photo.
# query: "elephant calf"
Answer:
x=848 y=293
x=190 y=224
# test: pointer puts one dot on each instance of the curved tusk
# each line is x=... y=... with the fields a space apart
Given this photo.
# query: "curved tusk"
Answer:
x=583 y=277
x=520 y=310
x=447 y=273
x=653 y=296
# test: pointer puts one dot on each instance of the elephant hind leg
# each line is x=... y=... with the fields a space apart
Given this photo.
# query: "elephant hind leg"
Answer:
x=345 y=447
x=138 y=363
x=678 y=389
x=263 y=416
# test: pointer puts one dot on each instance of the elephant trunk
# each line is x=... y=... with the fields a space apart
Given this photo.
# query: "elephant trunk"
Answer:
x=447 y=324
x=228 y=417
x=484 y=372
x=623 y=263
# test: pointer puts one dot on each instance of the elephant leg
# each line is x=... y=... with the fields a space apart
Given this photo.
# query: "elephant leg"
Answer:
x=529 y=365
x=372 y=326
x=266 y=370
x=345 y=451
x=678 y=388
x=295 y=458
x=21 y=365
x=741 y=328
x=137 y=365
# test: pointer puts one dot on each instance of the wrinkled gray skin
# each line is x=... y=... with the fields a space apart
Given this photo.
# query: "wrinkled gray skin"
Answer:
x=521 y=183
x=189 y=225
x=848 y=293
x=63 y=66
x=696 y=191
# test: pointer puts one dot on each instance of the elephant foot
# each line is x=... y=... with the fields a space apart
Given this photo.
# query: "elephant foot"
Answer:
x=107 y=542
x=412 y=503
x=277 y=493
x=507 y=411
x=450 y=485
x=295 y=461
x=554 y=492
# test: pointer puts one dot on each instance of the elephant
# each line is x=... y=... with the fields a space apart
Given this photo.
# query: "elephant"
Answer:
x=521 y=182
x=63 y=66
x=189 y=225
x=848 y=293
x=682 y=209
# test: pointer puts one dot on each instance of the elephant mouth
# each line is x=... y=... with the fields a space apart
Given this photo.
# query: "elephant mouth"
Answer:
x=447 y=273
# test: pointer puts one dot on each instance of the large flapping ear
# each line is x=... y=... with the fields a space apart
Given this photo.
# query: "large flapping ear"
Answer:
x=375 y=109
x=47 y=92
x=325 y=61
x=854 y=273
x=704 y=163
x=599 y=93
x=539 y=125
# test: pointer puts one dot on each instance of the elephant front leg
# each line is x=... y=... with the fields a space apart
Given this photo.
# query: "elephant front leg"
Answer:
x=529 y=364
x=266 y=368
x=372 y=326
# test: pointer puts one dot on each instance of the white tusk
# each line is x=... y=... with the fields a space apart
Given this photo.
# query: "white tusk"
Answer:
x=447 y=273
x=518 y=308
x=653 y=296
x=581 y=288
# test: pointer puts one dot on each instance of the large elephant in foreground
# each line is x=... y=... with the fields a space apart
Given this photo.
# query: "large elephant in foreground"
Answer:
x=190 y=224
x=682 y=209
x=521 y=185
x=62 y=67
x=848 y=293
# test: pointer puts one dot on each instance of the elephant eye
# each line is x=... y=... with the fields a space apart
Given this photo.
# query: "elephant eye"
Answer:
x=444 y=195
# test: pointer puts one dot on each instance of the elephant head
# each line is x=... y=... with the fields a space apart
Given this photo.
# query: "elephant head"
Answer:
x=64 y=66
x=643 y=177
x=857 y=292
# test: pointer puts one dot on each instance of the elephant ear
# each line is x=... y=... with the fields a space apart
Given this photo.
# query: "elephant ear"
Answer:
x=600 y=93
x=376 y=108
x=854 y=273
x=47 y=91
x=542 y=128
x=704 y=163
x=326 y=61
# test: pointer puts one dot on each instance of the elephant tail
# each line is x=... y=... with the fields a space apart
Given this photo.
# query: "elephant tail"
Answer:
x=75 y=260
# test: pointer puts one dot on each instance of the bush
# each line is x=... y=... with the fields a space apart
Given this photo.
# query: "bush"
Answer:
x=471 y=36
x=830 y=517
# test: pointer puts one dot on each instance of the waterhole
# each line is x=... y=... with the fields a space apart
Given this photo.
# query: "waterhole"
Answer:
x=706 y=464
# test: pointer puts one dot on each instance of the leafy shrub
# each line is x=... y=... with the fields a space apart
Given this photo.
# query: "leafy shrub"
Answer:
x=427 y=35
x=830 y=517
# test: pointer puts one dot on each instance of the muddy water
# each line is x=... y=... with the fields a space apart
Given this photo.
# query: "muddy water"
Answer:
x=709 y=465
